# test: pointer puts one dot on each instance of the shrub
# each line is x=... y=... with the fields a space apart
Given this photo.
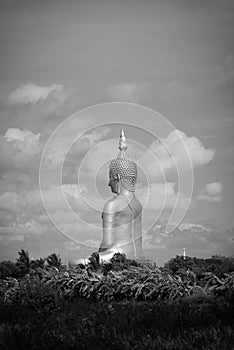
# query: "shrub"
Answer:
x=9 y=269
x=54 y=260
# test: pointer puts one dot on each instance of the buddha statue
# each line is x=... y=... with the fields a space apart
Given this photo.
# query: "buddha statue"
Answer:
x=121 y=216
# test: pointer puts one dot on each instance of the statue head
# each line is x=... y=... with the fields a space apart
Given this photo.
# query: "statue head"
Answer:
x=122 y=170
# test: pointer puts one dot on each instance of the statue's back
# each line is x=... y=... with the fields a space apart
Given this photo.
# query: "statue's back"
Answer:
x=125 y=228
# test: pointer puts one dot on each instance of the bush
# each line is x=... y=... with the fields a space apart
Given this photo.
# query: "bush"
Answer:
x=198 y=323
x=120 y=305
x=9 y=269
x=54 y=260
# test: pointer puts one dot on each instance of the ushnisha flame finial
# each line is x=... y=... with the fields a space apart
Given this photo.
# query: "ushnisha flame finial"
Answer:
x=122 y=146
x=122 y=142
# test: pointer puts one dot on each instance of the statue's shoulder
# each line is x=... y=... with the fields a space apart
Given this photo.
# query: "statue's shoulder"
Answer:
x=111 y=205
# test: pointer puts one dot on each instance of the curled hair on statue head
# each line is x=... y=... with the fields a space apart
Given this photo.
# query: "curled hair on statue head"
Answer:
x=122 y=168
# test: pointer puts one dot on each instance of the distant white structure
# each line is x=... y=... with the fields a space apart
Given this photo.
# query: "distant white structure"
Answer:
x=184 y=254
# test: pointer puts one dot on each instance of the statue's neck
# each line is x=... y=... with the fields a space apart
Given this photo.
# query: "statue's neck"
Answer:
x=126 y=193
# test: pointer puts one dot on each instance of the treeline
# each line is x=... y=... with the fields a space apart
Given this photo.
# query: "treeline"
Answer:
x=24 y=264
x=217 y=264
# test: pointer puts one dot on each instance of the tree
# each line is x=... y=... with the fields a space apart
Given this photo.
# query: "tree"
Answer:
x=94 y=261
x=23 y=262
x=120 y=262
x=54 y=260
x=9 y=269
x=174 y=265
x=38 y=263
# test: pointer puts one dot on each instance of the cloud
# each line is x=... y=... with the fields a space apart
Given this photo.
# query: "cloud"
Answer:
x=173 y=151
x=39 y=107
x=72 y=246
x=21 y=208
x=30 y=202
x=150 y=241
x=211 y=193
x=92 y=243
x=24 y=140
x=85 y=143
x=192 y=227
x=201 y=239
x=131 y=92
x=160 y=195
x=207 y=236
x=214 y=188
x=20 y=151
x=23 y=213
x=60 y=148
x=31 y=93
x=158 y=200
x=19 y=229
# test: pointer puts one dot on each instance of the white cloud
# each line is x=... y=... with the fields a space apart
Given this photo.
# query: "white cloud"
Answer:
x=20 y=150
x=160 y=196
x=96 y=135
x=201 y=239
x=209 y=199
x=31 y=93
x=193 y=227
x=174 y=151
x=60 y=148
x=151 y=241
x=72 y=246
x=28 y=216
x=24 y=140
x=213 y=188
x=31 y=201
x=20 y=228
x=131 y=92
x=211 y=193
x=92 y=243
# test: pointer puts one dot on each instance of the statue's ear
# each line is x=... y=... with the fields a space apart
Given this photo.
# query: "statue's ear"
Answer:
x=117 y=177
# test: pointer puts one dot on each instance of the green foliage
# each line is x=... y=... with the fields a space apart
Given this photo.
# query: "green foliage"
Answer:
x=29 y=291
x=118 y=280
x=218 y=265
x=189 y=324
x=94 y=262
x=9 y=269
x=38 y=263
x=23 y=262
x=134 y=283
x=54 y=260
x=119 y=305
x=118 y=262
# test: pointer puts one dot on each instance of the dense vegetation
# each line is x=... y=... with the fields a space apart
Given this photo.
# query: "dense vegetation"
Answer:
x=187 y=304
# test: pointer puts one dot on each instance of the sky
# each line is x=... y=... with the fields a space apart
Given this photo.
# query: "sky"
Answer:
x=61 y=57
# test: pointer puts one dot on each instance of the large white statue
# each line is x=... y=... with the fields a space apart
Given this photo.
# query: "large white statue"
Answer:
x=122 y=226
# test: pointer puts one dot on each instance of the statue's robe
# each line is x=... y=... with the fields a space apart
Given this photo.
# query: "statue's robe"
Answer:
x=122 y=228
